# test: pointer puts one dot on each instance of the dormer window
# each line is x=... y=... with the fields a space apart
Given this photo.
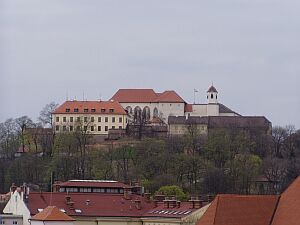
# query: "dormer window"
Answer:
x=93 y=110
x=67 y=109
x=86 y=110
x=111 y=110
x=76 y=110
x=103 y=110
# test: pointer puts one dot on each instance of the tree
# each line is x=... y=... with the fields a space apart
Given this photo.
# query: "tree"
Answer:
x=172 y=190
x=46 y=114
x=23 y=122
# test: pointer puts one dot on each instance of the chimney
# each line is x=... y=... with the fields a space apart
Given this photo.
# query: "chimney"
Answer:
x=195 y=203
x=87 y=202
x=178 y=203
x=127 y=193
x=166 y=203
x=172 y=202
x=56 y=186
x=13 y=188
x=138 y=204
x=147 y=196
x=68 y=199
x=159 y=197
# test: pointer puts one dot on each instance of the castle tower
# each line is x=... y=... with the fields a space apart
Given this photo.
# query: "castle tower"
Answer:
x=212 y=95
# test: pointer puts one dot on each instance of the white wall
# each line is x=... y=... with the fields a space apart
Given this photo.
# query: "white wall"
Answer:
x=51 y=222
x=16 y=206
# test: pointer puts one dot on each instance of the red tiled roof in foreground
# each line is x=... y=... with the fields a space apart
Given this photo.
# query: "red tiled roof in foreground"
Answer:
x=240 y=210
x=288 y=210
x=51 y=213
x=145 y=96
x=90 y=204
x=106 y=205
x=98 y=106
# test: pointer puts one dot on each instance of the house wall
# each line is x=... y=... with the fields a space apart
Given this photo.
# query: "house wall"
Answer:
x=51 y=223
x=109 y=124
x=180 y=129
x=16 y=206
x=11 y=220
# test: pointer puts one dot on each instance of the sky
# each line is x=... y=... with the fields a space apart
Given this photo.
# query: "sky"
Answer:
x=249 y=50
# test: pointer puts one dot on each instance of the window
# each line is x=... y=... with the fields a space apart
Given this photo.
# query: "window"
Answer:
x=85 y=128
x=2 y=222
x=106 y=119
x=93 y=110
x=92 y=128
x=92 y=119
x=103 y=110
x=57 y=128
x=64 y=128
x=120 y=119
x=64 y=119
x=99 y=128
x=99 y=119
x=113 y=127
x=211 y=95
x=113 y=119
x=71 y=128
x=85 y=119
x=15 y=222
x=78 y=119
x=86 y=110
x=111 y=110
x=67 y=109
x=78 y=128
x=71 y=119
x=57 y=119
x=106 y=128
x=120 y=127
x=76 y=110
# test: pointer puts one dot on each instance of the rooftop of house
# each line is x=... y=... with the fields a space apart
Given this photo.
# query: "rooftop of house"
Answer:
x=255 y=209
x=106 y=205
x=51 y=213
x=94 y=183
x=90 y=107
x=145 y=96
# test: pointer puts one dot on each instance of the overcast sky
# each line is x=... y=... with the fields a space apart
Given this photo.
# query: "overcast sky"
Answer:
x=249 y=49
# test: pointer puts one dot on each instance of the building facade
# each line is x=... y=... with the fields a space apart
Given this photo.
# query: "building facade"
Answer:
x=93 y=117
x=145 y=104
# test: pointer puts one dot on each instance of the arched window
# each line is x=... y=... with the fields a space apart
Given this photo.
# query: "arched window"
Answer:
x=137 y=114
x=211 y=95
x=155 y=112
x=146 y=113
x=129 y=110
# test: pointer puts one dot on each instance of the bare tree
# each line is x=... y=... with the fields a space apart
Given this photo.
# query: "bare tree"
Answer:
x=23 y=123
x=46 y=114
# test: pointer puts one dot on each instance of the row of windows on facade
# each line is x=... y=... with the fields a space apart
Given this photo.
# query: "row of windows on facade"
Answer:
x=93 y=190
x=85 y=128
x=87 y=110
x=3 y=222
x=85 y=119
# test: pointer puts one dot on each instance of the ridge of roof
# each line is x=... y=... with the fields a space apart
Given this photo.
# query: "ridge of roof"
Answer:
x=52 y=213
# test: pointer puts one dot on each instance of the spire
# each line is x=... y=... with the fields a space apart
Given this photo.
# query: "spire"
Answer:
x=212 y=89
x=212 y=95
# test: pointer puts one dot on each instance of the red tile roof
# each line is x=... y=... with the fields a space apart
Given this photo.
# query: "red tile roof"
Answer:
x=240 y=210
x=105 y=205
x=52 y=213
x=177 y=212
x=100 y=205
x=288 y=210
x=95 y=105
x=145 y=96
x=94 y=183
